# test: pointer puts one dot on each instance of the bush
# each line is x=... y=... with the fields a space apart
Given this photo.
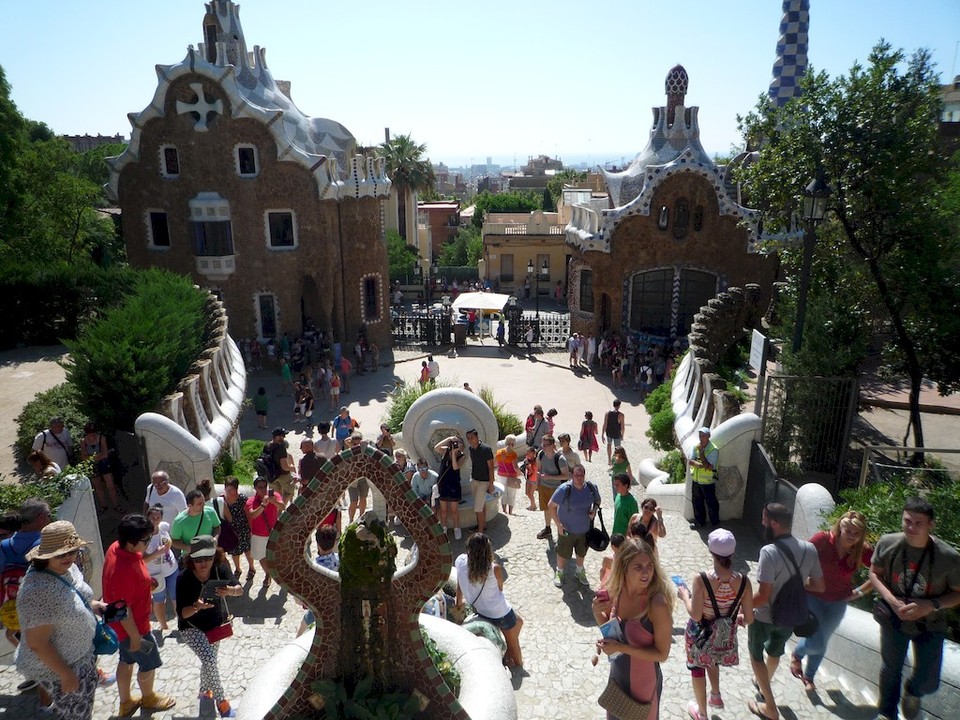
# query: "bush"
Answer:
x=507 y=422
x=126 y=362
x=243 y=467
x=674 y=465
x=658 y=399
x=450 y=675
x=661 y=430
x=402 y=400
x=50 y=303
x=54 y=490
x=60 y=400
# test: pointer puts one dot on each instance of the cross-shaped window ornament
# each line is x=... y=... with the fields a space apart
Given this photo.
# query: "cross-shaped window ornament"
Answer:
x=201 y=108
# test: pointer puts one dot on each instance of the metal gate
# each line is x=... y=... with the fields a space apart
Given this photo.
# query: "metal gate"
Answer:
x=806 y=423
x=431 y=329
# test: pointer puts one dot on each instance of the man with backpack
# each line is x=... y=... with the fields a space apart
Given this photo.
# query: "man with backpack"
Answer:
x=574 y=505
x=277 y=461
x=34 y=515
x=56 y=443
x=787 y=568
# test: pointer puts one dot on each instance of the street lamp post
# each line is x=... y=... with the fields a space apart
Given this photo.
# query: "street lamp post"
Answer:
x=543 y=272
x=815 y=197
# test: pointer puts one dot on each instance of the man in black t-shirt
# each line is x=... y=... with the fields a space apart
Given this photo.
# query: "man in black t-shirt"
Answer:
x=612 y=430
x=481 y=476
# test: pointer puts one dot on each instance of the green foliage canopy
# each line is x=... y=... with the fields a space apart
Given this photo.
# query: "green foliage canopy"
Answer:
x=401 y=256
x=873 y=134
x=515 y=201
x=126 y=362
x=464 y=250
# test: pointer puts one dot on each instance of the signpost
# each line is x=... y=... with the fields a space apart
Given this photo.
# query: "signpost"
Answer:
x=758 y=361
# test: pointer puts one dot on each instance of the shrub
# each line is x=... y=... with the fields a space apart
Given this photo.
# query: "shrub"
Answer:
x=123 y=364
x=54 y=490
x=507 y=422
x=60 y=400
x=658 y=399
x=661 y=429
x=674 y=465
x=243 y=467
x=450 y=675
x=51 y=302
x=402 y=400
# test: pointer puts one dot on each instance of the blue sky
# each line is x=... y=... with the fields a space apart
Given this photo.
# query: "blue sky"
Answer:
x=496 y=78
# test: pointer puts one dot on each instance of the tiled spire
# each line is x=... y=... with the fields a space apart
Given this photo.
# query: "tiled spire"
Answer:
x=791 y=60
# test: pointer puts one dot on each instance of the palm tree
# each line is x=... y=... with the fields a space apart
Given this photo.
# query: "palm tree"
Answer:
x=409 y=171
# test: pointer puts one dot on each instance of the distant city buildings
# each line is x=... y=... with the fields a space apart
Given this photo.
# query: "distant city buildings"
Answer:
x=84 y=143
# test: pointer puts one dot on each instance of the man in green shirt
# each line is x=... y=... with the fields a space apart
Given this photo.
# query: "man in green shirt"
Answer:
x=625 y=504
x=197 y=519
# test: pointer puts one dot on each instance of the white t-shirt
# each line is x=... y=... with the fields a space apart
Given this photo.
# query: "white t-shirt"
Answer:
x=46 y=441
x=162 y=565
x=173 y=500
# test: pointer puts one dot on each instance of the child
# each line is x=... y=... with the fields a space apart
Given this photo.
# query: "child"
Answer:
x=616 y=540
x=506 y=464
x=326 y=542
x=529 y=467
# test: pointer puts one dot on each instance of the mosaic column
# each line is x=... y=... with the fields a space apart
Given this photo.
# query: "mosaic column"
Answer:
x=791 y=62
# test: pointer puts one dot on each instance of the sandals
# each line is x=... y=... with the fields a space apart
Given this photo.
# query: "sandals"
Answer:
x=796 y=666
x=754 y=708
x=693 y=710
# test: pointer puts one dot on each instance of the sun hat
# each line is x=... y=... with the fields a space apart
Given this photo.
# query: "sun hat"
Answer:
x=203 y=546
x=56 y=538
x=722 y=542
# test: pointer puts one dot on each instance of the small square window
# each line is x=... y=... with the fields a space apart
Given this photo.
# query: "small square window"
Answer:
x=247 y=160
x=171 y=161
x=159 y=230
x=281 y=230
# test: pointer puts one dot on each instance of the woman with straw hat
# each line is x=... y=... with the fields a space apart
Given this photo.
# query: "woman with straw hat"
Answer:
x=56 y=610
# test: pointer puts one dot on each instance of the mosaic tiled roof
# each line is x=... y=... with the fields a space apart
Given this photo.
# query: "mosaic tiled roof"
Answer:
x=325 y=147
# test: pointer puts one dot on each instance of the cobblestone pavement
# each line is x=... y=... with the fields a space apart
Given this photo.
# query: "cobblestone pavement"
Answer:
x=558 y=680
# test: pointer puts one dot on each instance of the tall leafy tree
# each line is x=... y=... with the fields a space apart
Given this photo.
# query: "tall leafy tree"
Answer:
x=410 y=171
x=873 y=134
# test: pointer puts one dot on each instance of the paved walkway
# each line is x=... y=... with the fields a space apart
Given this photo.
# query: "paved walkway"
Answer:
x=558 y=681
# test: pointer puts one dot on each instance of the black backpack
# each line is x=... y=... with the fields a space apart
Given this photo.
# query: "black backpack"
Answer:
x=789 y=607
x=266 y=465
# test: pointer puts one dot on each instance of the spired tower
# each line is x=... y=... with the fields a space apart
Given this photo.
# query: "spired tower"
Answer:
x=791 y=62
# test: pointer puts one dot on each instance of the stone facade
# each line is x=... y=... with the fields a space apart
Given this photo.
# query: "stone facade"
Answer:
x=227 y=181
x=673 y=237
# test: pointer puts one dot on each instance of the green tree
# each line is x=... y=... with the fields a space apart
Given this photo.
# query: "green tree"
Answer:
x=873 y=134
x=564 y=177
x=547 y=203
x=402 y=257
x=515 y=201
x=464 y=250
x=410 y=172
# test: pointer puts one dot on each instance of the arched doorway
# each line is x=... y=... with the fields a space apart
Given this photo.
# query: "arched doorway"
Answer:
x=310 y=307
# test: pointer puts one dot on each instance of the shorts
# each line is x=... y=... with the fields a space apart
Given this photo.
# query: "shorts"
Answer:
x=479 y=491
x=616 y=441
x=262 y=413
x=258 y=546
x=169 y=588
x=357 y=489
x=102 y=467
x=506 y=622
x=284 y=485
x=767 y=636
x=147 y=658
x=568 y=543
x=545 y=493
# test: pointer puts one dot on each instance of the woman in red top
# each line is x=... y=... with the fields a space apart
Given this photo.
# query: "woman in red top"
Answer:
x=842 y=550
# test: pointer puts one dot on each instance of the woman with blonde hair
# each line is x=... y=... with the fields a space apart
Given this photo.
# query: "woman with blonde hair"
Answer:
x=843 y=550
x=640 y=599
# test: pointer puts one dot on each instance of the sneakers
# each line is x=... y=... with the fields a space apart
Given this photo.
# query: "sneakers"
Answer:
x=715 y=700
x=582 y=577
x=223 y=707
x=105 y=679
x=693 y=710
x=129 y=707
x=558 y=578
x=157 y=702
x=457 y=534
x=909 y=705
x=545 y=534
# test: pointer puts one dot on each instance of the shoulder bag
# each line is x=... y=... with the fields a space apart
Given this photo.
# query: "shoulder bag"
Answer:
x=224 y=629
x=227 y=538
x=105 y=641
x=886 y=615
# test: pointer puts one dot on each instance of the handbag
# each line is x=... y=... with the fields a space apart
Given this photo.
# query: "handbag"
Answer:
x=598 y=539
x=618 y=703
x=105 y=641
x=224 y=629
x=514 y=482
x=227 y=538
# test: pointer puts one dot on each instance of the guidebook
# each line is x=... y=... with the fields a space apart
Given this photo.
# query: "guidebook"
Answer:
x=611 y=630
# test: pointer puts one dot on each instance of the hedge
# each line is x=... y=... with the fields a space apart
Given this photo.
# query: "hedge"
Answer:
x=125 y=363
x=47 y=304
x=60 y=400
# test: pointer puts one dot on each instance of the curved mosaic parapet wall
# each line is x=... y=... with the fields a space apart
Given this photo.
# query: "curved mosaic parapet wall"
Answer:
x=199 y=420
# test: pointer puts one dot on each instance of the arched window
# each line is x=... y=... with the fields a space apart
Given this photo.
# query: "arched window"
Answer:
x=664 y=219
